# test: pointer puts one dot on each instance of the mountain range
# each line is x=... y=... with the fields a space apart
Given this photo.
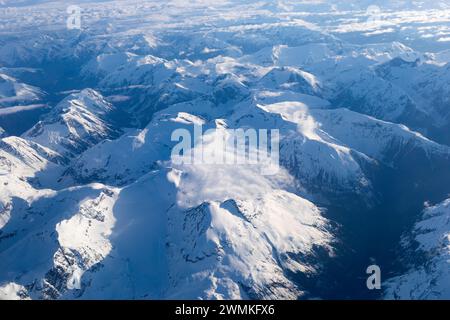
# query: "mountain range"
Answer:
x=92 y=205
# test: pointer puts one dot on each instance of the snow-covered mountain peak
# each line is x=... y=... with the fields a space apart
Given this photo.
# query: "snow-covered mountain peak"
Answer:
x=29 y=152
x=147 y=70
x=385 y=52
x=106 y=63
x=292 y=79
x=229 y=89
x=87 y=99
x=81 y=120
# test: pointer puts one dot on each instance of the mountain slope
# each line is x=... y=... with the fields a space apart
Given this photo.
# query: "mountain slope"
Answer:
x=78 y=122
x=24 y=166
x=200 y=244
x=14 y=93
x=429 y=275
x=427 y=83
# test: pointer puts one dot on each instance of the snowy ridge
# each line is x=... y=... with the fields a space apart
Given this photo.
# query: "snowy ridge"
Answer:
x=308 y=138
x=375 y=138
x=24 y=166
x=211 y=240
x=148 y=70
x=427 y=83
x=76 y=123
x=428 y=280
x=20 y=153
x=201 y=246
x=13 y=92
x=292 y=79
x=52 y=260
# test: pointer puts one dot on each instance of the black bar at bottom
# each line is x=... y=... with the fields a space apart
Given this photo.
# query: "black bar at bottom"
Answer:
x=187 y=310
